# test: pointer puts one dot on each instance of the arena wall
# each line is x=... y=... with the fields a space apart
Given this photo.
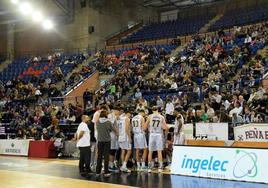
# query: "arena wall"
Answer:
x=76 y=96
x=107 y=17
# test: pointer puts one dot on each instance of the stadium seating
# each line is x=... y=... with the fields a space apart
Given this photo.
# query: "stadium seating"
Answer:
x=169 y=29
x=25 y=69
x=239 y=17
x=186 y=53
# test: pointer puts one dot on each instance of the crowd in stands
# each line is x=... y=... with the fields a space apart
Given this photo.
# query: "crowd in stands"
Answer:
x=27 y=105
x=137 y=63
x=214 y=79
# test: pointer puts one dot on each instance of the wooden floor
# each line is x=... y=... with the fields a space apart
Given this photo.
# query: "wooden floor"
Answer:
x=12 y=174
x=13 y=179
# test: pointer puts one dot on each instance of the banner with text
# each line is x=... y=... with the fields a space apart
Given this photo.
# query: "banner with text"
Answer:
x=221 y=163
x=213 y=131
x=14 y=147
x=251 y=132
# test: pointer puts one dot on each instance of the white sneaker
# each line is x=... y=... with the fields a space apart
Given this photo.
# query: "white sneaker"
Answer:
x=125 y=170
x=168 y=167
x=149 y=170
x=144 y=169
x=160 y=170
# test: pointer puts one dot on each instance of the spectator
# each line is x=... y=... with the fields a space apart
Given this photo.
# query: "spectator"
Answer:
x=236 y=110
x=87 y=97
x=58 y=138
x=45 y=134
x=35 y=134
x=169 y=111
x=21 y=134
x=138 y=94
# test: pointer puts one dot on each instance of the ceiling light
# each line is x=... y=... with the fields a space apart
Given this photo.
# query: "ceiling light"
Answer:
x=37 y=16
x=25 y=8
x=47 y=25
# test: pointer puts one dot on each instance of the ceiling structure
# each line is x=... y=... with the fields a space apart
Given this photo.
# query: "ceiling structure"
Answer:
x=174 y=4
x=62 y=10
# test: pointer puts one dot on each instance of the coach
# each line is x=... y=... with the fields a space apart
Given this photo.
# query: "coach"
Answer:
x=104 y=127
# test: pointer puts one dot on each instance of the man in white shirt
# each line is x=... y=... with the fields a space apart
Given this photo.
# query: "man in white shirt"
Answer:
x=159 y=103
x=215 y=99
x=37 y=92
x=248 y=40
x=169 y=111
x=138 y=94
x=236 y=110
x=174 y=85
x=83 y=143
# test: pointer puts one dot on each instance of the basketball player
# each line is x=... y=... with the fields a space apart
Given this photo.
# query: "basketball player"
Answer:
x=113 y=116
x=156 y=125
x=178 y=134
x=140 y=143
x=124 y=139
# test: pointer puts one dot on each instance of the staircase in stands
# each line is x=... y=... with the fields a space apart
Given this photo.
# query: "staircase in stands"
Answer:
x=116 y=38
x=5 y=65
x=152 y=73
x=211 y=22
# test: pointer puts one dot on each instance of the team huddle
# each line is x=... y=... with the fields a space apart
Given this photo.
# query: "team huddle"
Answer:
x=147 y=135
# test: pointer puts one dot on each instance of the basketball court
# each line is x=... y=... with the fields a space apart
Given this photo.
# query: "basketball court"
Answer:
x=58 y=173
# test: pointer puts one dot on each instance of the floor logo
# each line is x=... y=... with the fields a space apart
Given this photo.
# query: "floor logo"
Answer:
x=246 y=165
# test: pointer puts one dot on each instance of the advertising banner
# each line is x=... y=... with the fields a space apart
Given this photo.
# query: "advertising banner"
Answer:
x=14 y=147
x=221 y=163
x=251 y=132
x=214 y=131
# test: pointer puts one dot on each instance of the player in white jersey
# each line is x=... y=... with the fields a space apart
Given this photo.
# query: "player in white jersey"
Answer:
x=156 y=125
x=178 y=134
x=124 y=139
x=140 y=143
x=113 y=116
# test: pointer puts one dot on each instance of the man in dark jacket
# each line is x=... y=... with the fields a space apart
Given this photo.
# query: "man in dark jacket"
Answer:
x=104 y=127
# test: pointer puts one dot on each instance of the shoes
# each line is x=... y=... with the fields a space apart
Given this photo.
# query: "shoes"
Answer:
x=149 y=170
x=125 y=170
x=168 y=167
x=160 y=170
x=60 y=155
x=98 y=175
x=144 y=169
x=83 y=174
x=93 y=167
x=113 y=169
x=107 y=175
